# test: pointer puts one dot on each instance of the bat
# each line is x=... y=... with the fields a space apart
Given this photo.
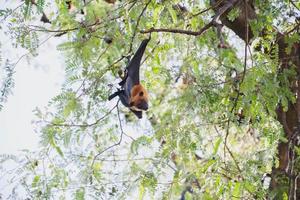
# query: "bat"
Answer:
x=132 y=94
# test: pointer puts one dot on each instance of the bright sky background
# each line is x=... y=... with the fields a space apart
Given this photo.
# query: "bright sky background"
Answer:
x=35 y=84
x=37 y=80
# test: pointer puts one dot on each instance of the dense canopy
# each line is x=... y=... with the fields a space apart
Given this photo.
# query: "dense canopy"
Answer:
x=224 y=114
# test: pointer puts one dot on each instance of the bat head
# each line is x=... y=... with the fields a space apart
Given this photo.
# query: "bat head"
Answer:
x=139 y=98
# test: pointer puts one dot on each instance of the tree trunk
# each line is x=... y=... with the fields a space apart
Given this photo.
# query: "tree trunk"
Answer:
x=284 y=178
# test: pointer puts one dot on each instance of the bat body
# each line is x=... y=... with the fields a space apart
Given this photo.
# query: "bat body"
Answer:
x=132 y=94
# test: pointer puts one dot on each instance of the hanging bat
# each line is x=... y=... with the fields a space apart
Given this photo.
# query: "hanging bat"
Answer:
x=132 y=94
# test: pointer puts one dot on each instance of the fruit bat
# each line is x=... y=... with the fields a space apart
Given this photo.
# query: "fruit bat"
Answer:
x=132 y=94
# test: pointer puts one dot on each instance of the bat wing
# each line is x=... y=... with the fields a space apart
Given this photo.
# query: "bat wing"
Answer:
x=133 y=68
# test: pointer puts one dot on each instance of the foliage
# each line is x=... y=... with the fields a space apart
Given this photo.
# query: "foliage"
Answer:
x=7 y=83
x=211 y=131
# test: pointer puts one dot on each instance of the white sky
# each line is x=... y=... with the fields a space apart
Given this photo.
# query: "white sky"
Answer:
x=35 y=84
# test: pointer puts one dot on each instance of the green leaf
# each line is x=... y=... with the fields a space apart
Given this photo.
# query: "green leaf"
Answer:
x=233 y=14
x=143 y=140
x=35 y=181
x=236 y=193
x=59 y=151
x=217 y=145
x=173 y=14
x=79 y=194
x=141 y=192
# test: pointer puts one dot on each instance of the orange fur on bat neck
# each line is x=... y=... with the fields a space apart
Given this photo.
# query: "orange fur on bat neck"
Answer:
x=138 y=94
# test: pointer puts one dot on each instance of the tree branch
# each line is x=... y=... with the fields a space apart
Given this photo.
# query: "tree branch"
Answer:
x=180 y=31
x=219 y=13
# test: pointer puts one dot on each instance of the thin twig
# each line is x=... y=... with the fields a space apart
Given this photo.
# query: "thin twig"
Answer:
x=84 y=125
x=287 y=32
x=115 y=144
x=242 y=79
x=41 y=29
x=293 y=3
x=231 y=154
x=293 y=29
x=137 y=24
x=85 y=79
x=10 y=13
x=209 y=8
x=132 y=5
x=29 y=52
x=94 y=83
x=220 y=12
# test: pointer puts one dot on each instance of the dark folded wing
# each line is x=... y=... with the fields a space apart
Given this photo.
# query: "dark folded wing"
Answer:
x=133 y=68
